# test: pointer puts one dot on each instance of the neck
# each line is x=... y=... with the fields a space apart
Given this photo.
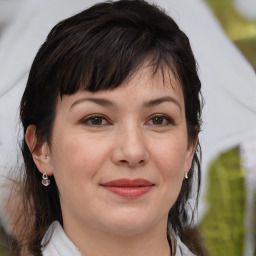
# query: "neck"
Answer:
x=97 y=243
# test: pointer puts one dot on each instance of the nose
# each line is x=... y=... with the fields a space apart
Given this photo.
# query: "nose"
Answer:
x=130 y=148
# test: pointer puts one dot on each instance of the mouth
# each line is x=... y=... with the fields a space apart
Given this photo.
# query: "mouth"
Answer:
x=128 y=188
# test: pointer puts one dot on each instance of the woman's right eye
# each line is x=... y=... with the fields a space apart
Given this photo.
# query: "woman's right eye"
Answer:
x=95 y=120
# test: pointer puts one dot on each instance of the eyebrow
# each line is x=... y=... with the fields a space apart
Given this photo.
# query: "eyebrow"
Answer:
x=99 y=101
x=158 y=101
x=148 y=104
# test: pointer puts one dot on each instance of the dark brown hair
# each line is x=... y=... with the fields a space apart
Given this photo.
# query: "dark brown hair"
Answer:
x=98 y=49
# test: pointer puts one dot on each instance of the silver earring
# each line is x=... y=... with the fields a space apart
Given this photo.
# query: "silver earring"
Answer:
x=186 y=175
x=45 y=181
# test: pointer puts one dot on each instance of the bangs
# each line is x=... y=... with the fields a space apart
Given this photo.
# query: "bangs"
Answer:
x=110 y=71
x=100 y=54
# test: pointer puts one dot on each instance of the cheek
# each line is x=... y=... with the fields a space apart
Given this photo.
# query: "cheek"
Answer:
x=77 y=162
x=76 y=158
x=170 y=157
x=170 y=162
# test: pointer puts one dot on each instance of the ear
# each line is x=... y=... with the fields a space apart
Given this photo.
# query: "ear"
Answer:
x=190 y=154
x=40 y=152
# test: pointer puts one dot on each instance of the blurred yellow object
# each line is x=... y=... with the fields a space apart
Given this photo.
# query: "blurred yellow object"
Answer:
x=240 y=30
x=235 y=26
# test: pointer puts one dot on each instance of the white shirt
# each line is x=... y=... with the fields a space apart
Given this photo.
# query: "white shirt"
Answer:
x=60 y=245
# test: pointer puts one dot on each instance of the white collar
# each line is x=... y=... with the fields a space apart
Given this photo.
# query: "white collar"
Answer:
x=58 y=244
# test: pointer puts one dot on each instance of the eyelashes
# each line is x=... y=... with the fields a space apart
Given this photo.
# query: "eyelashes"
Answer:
x=161 y=120
x=158 y=120
x=95 y=120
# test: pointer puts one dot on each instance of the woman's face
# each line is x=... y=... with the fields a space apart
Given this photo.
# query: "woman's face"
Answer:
x=119 y=156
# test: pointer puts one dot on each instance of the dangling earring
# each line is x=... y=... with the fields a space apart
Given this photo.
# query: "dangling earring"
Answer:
x=186 y=175
x=45 y=180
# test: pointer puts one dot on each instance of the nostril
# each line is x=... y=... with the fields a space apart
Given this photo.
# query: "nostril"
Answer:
x=132 y=163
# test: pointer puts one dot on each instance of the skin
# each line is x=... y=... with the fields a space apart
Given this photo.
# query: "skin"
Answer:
x=127 y=141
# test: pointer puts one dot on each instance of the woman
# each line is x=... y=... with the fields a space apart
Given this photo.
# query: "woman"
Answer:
x=111 y=116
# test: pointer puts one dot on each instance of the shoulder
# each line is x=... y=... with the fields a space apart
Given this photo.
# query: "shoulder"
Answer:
x=56 y=242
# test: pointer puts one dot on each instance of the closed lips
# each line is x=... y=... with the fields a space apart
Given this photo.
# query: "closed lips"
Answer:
x=129 y=188
x=128 y=183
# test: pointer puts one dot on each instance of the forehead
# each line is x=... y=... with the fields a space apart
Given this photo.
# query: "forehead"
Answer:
x=162 y=78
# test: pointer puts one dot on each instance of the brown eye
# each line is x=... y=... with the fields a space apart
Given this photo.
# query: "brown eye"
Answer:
x=161 y=120
x=95 y=121
x=158 y=120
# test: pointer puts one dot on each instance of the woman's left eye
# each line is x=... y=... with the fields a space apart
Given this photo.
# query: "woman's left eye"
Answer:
x=95 y=121
x=160 y=120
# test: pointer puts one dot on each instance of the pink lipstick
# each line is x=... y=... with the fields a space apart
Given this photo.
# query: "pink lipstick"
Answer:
x=128 y=188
